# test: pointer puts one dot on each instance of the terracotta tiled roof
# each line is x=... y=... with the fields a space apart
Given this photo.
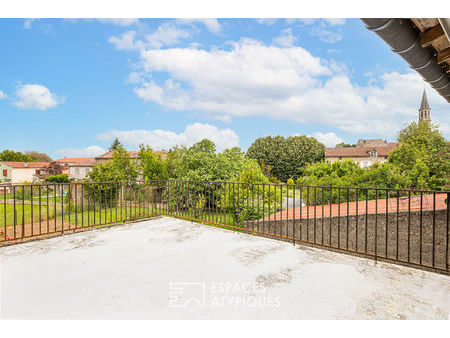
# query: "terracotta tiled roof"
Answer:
x=109 y=154
x=359 y=151
x=81 y=161
x=27 y=164
x=132 y=153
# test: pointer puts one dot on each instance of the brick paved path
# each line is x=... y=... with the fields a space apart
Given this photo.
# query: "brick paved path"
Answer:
x=373 y=207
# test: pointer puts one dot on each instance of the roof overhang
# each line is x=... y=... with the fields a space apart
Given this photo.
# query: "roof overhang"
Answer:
x=423 y=43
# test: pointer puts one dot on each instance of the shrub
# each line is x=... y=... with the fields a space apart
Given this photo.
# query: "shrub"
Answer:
x=61 y=178
x=249 y=196
x=23 y=191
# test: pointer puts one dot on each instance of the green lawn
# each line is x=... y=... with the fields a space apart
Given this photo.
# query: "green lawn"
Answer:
x=24 y=213
x=107 y=215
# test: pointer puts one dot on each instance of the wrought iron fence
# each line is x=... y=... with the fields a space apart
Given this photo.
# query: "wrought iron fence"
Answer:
x=399 y=225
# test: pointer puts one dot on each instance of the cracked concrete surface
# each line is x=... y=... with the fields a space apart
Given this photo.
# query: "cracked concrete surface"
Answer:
x=168 y=268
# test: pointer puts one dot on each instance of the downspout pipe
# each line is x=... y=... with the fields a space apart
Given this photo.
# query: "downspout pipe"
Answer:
x=404 y=40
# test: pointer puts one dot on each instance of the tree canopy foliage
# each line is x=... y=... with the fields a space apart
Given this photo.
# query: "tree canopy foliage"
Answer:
x=345 y=145
x=15 y=156
x=120 y=168
x=286 y=156
x=40 y=157
x=152 y=165
x=54 y=168
x=422 y=161
x=201 y=162
x=423 y=155
x=115 y=145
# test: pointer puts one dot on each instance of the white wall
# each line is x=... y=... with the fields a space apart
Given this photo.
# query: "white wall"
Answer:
x=78 y=172
x=20 y=175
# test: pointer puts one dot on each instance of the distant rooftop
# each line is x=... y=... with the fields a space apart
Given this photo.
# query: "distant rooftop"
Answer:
x=81 y=161
x=360 y=151
x=27 y=164
x=133 y=154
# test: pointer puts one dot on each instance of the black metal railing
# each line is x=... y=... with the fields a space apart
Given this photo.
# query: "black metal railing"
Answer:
x=398 y=225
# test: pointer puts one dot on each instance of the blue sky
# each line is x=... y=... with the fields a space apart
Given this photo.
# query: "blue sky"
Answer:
x=68 y=87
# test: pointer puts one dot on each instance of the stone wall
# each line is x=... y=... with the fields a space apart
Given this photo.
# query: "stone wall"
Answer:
x=349 y=233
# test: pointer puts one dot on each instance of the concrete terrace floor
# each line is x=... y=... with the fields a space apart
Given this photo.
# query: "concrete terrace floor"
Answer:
x=172 y=269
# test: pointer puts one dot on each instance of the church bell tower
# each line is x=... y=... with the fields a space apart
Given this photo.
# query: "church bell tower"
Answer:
x=424 y=110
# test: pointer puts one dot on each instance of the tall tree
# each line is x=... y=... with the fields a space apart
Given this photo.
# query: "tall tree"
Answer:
x=286 y=156
x=121 y=168
x=152 y=165
x=424 y=155
x=40 y=157
x=115 y=145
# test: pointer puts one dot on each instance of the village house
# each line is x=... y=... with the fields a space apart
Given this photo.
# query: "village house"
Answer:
x=365 y=156
x=372 y=151
x=134 y=154
x=77 y=168
x=19 y=172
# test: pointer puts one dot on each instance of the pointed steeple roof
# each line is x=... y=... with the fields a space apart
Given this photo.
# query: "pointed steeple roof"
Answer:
x=424 y=104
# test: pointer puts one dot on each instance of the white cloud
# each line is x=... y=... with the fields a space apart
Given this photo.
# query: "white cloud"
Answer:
x=335 y=21
x=284 y=83
x=166 y=34
x=211 y=24
x=119 y=21
x=90 y=151
x=28 y=23
x=286 y=39
x=312 y=21
x=267 y=21
x=134 y=77
x=36 y=97
x=321 y=28
x=243 y=81
x=3 y=95
x=124 y=41
x=329 y=139
x=325 y=34
x=165 y=139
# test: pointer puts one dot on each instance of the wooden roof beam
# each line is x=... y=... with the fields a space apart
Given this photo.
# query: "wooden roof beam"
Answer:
x=443 y=56
x=431 y=35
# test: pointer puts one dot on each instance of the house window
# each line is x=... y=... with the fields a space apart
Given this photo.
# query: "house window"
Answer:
x=77 y=171
x=5 y=172
x=37 y=172
x=365 y=164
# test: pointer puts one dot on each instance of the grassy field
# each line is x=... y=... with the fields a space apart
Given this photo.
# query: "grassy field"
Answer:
x=29 y=220
x=26 y=213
